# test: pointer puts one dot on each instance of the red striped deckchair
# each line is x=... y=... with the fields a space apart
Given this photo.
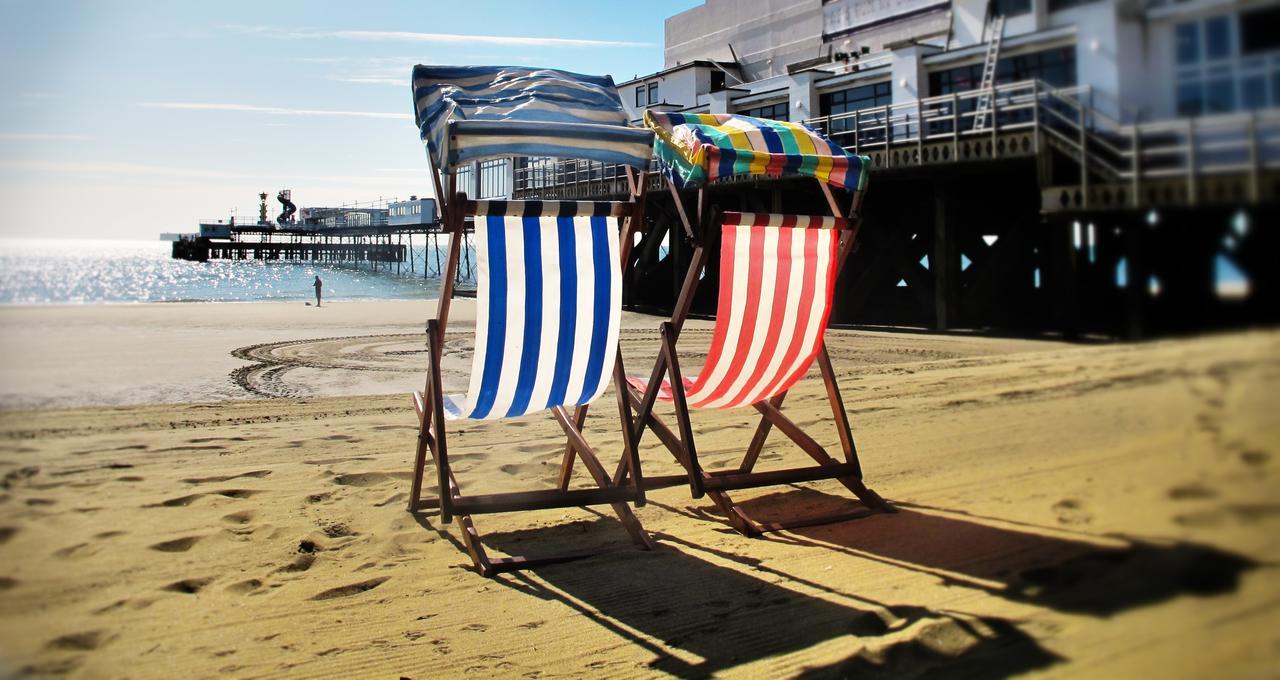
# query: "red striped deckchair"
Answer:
x=777 y=279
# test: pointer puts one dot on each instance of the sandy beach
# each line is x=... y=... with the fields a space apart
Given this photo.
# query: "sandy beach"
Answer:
x=220 y=489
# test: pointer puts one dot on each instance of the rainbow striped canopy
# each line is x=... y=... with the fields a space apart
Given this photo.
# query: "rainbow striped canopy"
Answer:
x=695 y=148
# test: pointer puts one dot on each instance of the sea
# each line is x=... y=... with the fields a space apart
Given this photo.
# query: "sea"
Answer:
x=35 y=271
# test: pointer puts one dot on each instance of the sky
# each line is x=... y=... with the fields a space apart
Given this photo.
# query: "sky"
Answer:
x=120 y=120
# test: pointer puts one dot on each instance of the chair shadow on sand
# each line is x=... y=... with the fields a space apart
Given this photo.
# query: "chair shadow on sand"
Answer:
x=697 y=618
x=1098 y=575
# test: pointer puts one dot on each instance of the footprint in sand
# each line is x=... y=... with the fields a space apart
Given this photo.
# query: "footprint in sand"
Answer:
x=363 y=479
x=7 y=583
x=245 y=587
x=1192 y=491
x=77 y=550
x=179 y=502
x=353 y=589
x=1071 y=511
x=79 y=642
x=256 y=474
x=1241 y=513
x=177 y=545
x=1255 y=458
x=237 y=493
x=301 y=563
x=188 y=586
x=7 y=533
x=242 y=517
x=135 y=604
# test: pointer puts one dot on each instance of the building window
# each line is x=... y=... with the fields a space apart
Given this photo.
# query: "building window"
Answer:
x=871 y=127
x=1227 y=63
x=1010 y=8
x=640 y=96
x=1217 y=38
x=1057 y=5
x=653 y=94
x=1056 y=67
x=1188 y=39
x=771 y=111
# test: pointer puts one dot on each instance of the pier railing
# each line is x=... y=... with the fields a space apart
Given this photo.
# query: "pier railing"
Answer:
x=1121 y=163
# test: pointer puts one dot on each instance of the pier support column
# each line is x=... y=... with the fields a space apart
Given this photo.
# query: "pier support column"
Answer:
x=1063 y=274
x=1137 y=272
x=944 y=261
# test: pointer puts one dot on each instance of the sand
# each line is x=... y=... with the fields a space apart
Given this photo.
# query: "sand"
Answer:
x=1066 y=510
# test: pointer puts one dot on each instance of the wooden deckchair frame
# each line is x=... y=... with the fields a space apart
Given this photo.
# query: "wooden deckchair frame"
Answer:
x=717 y=484
x=432 y=434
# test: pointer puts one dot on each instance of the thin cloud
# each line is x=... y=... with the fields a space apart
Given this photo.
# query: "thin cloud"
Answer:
x=402 y=81
x=118 y=169
x=271 y=110
x=42 y=137
x=437 y=38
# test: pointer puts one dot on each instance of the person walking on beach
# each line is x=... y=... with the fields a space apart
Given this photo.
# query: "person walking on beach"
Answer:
x=318 y=284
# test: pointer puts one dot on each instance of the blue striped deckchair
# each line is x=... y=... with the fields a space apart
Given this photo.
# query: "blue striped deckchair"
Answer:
x=549 y=290
x=548 y=305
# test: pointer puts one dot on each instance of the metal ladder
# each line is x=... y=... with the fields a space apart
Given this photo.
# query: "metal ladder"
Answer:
x=989 y=74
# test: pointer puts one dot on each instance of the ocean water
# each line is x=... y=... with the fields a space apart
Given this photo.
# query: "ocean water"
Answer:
x=85 y=272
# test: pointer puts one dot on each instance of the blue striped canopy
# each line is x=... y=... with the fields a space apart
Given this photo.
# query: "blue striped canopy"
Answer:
x=548 y=309
x=468 y=113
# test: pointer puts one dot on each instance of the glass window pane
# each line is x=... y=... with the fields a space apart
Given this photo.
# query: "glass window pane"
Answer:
x=640 y=96
x=1253 y=92
x=1220 y=96
x=653 y=93
x=1217 y=38
x=1189 y=99
x=1188 y=42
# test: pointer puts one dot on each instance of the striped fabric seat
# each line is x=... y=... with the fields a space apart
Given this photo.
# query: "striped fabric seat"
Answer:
x=777 y=276
x=548 y=304
x=469 y=113
x=695 y=148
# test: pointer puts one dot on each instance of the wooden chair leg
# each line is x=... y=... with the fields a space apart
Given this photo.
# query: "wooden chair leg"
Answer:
x=589 y=460
x=566 y=462
x=682 y=410
x=757 y=440
x=420 y=456
x=630 y=446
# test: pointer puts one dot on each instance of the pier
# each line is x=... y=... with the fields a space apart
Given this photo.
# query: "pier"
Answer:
x=379 y=236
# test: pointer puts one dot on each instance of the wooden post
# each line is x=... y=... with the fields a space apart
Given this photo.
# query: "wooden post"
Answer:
x=1035 y=116
x=995 y=121
x=1084 y=155
x=919 y=132
x=1135 y=285
x=941 y=259
x=955 y=128
x=888 y=135
x=857 y=133
x=1251 y=144
x=1191 y=162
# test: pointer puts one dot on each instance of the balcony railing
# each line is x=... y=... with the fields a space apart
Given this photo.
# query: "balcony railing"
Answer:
x=1078 y=121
